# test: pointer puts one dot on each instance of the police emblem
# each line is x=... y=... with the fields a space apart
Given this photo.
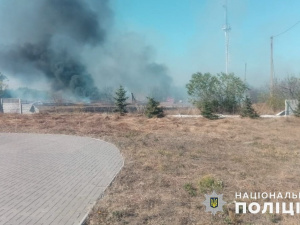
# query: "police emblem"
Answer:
x=214 y=203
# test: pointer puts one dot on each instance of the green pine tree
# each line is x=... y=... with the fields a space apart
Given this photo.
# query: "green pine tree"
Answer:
x=247 y=109
x=153 y=109
x=120 y=101
x=207 y=111
x=297 y=110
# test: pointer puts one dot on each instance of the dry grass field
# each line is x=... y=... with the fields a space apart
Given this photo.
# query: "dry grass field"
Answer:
x=170 y=163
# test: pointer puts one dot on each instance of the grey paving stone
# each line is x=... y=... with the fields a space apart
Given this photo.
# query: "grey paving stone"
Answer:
x=53 y=179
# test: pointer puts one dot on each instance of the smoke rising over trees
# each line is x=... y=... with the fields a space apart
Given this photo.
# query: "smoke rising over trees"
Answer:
x=70 y=44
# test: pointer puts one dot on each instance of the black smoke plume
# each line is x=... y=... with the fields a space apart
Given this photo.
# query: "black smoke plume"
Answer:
x=71 y=44
x=48 y=47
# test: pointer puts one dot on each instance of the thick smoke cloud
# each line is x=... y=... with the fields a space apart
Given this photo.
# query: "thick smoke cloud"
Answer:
x=69 y=43
x=128 y=60
x=62 y=70
x=44 y=53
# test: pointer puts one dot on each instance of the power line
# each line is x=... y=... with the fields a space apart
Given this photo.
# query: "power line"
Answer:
x=272 y=61
x=287 y=29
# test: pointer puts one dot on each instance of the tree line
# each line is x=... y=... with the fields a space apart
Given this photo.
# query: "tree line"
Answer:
x=220 y=93
x=215 y=94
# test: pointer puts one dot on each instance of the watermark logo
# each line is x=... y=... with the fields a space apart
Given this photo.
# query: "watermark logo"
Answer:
x=214 y=203
x=283 y=203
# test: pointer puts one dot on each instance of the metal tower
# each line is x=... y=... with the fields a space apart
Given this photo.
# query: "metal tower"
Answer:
x=226 y=28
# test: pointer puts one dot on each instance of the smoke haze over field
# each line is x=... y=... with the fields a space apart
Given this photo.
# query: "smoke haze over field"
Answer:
x=84 y=47
x=70 y=45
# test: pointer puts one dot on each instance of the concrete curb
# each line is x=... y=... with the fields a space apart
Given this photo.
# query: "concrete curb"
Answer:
x=84 y=220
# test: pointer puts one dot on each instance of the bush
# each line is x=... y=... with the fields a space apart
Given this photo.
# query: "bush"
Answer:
x=247 y=109
x=209 y=183
x=153 y=109
x=207 y=111
x=225 y=91
x=190 y=189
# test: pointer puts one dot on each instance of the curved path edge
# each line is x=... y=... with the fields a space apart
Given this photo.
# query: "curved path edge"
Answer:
x=53 y=179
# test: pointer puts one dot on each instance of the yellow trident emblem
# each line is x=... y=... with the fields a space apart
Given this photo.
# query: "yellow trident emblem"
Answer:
x=214 y=202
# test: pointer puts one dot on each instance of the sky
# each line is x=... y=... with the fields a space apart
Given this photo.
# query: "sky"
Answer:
x=145 y=45
x=187 y=35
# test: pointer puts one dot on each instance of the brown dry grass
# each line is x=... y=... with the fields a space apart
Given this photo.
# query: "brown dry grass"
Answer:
x=182 y=111
x=164 y=156
x=265 y=109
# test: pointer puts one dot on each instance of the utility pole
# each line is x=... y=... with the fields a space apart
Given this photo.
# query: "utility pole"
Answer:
x=271 y=70
x=245 y=78
x=272 y=62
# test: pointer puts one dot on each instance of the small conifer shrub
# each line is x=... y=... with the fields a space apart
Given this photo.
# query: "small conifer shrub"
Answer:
x=153 y=109
x=207 y=111
x=247 y=109
x=120 y=101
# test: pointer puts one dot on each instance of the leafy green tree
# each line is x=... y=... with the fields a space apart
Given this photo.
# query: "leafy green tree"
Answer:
x=153 y=109
x=231 y=92
x=247 y=109
x=203 y=87
x=120 y=100
x=224 y=91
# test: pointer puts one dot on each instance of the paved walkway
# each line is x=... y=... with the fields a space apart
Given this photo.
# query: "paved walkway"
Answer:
x=53 y=179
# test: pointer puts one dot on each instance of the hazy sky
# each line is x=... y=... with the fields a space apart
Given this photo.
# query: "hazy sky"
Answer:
x=187 y=35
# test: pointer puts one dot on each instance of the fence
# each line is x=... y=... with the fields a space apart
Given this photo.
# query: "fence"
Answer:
x=15 y=105
x=290 y=106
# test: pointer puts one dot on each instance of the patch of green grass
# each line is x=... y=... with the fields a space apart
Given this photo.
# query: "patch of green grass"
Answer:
x=118 y=215
x=131 y=134
x=227 y=220
x=208 y=183
x=191 y=190
x=165 y=153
